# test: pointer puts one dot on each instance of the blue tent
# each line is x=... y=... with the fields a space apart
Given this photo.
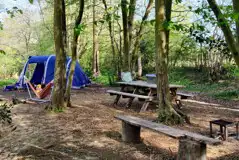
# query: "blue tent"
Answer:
x=44 y=72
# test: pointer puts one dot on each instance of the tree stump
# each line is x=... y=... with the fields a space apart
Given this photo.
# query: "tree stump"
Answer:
x=130 y=133
x=191 y=150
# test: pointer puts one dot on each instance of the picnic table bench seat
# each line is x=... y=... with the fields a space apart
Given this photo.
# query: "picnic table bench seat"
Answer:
x=113 y=92
x=191 y=144
x=146 y=98
x=183 y=95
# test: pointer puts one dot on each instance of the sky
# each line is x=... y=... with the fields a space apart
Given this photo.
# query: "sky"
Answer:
x=21 y=4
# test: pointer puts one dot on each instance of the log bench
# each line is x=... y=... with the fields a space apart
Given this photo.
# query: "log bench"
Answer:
x=192 y=146
x=130 y=95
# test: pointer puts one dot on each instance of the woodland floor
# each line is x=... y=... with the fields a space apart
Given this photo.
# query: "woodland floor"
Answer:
x=89 y=130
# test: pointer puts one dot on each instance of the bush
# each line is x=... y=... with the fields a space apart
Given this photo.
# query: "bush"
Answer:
x=233 y=94
x=232 y=71
x=5 y=113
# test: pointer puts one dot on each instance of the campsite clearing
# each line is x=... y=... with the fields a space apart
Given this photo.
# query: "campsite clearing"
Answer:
x=89 y=130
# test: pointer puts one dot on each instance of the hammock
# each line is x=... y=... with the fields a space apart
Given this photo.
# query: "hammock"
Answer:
x=40 y=94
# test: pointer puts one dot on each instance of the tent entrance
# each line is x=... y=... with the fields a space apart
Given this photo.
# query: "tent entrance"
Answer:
x=38 y=72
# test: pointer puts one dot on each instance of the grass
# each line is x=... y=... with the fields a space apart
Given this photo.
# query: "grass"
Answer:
x=227 y=95
x=4 y=82
x=197 y=81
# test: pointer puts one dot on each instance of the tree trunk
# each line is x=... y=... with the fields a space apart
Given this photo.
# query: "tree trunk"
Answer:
x=95 y=44
x=60 y=68
x=168 y=7
x=139 y=34
x=74 y=54
x=140 y=68
x=223 y=24
x=126 y=65
x=236 y=11
x=131 y=13
x=111 y=32
x=166 y=112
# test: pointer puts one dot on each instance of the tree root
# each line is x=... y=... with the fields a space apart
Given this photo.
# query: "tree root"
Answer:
x=183 y=115
x=173 y=116
x=169 y=117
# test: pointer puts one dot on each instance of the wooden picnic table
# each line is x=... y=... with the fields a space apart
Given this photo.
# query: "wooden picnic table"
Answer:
x=135 y=89
x=151 y=86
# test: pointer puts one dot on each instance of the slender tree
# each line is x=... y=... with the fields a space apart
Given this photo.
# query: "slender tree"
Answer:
x=131 y=12
x=76 y=33
x=138 y=38
x=95 y=43
x=126 y=65
x=111 y=33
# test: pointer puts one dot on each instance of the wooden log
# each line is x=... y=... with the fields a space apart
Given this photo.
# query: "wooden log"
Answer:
x=191 y=150
x=130 y=133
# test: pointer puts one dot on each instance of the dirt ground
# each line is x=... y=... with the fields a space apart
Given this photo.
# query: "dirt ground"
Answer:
x=89 y=130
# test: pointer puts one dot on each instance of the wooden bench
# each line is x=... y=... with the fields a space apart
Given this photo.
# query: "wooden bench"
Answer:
x=191 y=145
x=180 y=96
x=185 y=95
x=130 y=95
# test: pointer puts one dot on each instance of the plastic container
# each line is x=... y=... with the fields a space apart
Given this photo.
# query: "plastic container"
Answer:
x=151 y=78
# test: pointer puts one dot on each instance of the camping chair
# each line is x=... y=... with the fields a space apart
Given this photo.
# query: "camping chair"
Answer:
x=47 y=90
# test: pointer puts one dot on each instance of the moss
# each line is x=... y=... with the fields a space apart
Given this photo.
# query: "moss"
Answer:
x=169 y=117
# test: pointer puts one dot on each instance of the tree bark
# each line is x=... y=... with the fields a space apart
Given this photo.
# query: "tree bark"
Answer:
x=139 y=36
x=236 y=11
x=126 y=65
x=131 y=13
x=166 y=112
x=111 y=33
x=140 y=67
x=74 y=54
x=60 y=42
x=95 y=44
x=223 y=24
x=168 y=9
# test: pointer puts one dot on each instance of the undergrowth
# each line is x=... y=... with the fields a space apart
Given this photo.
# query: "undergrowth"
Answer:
x=5 y=113
x=4 y=82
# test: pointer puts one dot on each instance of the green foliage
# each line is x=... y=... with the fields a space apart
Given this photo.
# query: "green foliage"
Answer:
x=1 y=26
x=7 y=82
x=227 y=95
x=197 y=81
x=232 y=71
x=178 y=1
x=5 y=113
x=58 y=110
x=106 y=78
x=79 y=29
x=13 y=11
x=173 y=26
x=31 y=1
x=10 y=64
x=2 y=51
